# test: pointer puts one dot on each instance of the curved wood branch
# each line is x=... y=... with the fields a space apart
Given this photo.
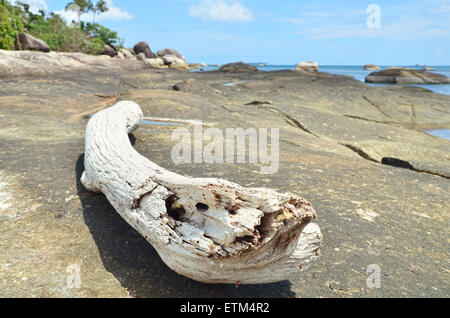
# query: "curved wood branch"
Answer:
x=209 y=230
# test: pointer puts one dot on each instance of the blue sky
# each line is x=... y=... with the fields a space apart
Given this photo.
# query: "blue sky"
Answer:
x=285 y=31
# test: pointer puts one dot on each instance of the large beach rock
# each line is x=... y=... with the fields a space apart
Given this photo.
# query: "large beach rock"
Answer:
x=398 y=75
x=156 y=62
x=173 y=52
x=238 y=67
x=26 y=41
x=24 y=63
x=143 y=47
x=141 y=57
x=127 y=54
x=371 y=67
x=120 y=56
x=110 y=50
x=329 y=125
x=175 y=62
x=308 y=66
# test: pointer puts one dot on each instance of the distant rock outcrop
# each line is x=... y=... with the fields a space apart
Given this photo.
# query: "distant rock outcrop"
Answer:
x=28 y=42
x=398 y=75
x=194 y=65
x=143 y=47
x=175 y=62
x=308 y=66
x=371 y=67
x=172 y=52
x=156 y=62
x=238 y=67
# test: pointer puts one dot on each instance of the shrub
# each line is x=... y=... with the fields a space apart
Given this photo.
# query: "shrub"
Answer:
x=90 y=38
x=10 y=25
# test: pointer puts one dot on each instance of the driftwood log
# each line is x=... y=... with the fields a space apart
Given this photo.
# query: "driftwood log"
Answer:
x=209 y=230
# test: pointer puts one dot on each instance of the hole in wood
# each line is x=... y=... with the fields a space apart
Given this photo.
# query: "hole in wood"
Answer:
x=202 y=207
x=174 y=210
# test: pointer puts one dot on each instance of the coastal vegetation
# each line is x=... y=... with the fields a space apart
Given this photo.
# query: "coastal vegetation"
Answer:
x=84 y=37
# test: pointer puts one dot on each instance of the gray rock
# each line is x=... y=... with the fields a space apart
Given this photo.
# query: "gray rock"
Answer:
x=156 y=62
x=127 y=54
x=41 y=164
x=120 y=56
x=308 y=66
x=143 y=47
x=371 y=67
x=175 y=62
x=25 y=63
x=26 y=41
x=110 y=50
x=141 y=57
x=397 y=75
x=238 y=67
x=173 y=52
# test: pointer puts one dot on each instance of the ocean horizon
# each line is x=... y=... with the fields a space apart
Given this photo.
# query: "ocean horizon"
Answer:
x=357 y=72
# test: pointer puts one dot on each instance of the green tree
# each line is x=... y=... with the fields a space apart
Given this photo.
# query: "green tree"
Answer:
x=83 y=6
x=98 y=31
x=100 y=7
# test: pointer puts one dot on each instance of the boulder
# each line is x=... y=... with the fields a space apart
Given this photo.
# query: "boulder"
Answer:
x=156 y=62
x=175 y=62
x=371 y=67
x=141 y=57
x=238 y=67
x=26 y=41
x=428 y=69
x=203 y=64
x=308 y=66
x=110 y=50
x=398 y=75
x=143 y=47
x=127 y=54
x=153 y=62
x=120 y=56
x=173 y=52
x=32 y=63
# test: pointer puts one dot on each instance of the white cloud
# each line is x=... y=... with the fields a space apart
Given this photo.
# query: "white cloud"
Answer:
x=221 y=11
x=412 y=28
x=35 y=5
x=113 y=14
x=443 y=8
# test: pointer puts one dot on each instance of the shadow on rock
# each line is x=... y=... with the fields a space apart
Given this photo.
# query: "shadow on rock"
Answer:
x=137 y=265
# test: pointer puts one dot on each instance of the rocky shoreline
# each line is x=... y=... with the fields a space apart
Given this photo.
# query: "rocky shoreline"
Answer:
x=357 y=153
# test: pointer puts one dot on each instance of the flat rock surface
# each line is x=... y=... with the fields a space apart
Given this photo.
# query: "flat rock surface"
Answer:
x=398 y=75
x=334 y=134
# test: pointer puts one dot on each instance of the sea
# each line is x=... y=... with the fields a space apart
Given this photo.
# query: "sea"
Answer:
x=358 y=72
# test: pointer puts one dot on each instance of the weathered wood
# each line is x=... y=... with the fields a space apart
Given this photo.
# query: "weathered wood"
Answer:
x=210 y=230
